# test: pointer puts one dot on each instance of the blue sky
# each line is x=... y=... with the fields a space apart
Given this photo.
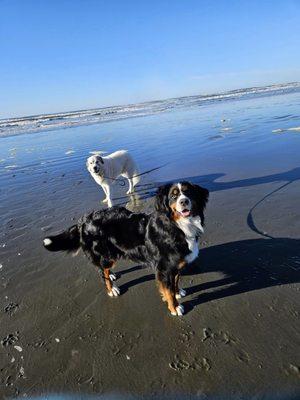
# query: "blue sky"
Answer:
x=64 y=55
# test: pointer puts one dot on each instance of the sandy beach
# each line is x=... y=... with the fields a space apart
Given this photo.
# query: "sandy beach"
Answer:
x=60 y=332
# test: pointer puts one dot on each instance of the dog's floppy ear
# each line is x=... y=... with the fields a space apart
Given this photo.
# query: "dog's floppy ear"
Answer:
x=201 y=198
x=161 y=199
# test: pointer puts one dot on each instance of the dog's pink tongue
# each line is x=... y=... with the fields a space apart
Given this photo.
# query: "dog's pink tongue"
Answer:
x=185 y=213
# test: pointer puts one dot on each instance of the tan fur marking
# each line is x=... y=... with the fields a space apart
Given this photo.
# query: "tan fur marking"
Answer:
x=175 y=215
x=161 y=290
x=168 y=296
x=108 y=283
x=171 y=300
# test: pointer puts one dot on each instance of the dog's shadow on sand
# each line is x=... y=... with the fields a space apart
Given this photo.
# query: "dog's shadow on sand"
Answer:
x=245 y=266
x=213 y=184
x=134 y=282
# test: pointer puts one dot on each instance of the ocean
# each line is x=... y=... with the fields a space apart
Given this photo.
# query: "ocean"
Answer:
x=46 y=122
x=240 y=140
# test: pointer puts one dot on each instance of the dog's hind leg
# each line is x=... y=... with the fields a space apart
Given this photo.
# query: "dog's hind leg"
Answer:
x=132 y=183
x=105 y=200
x=131 y=187
x=109 y=202
x=113 y=276
x=161 y=289
x=135 y=179
x=111 y=288
x=179 y=293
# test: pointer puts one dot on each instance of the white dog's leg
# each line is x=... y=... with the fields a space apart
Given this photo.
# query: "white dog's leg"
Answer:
x=131 y=187
x=104 y=187
x=109 y=202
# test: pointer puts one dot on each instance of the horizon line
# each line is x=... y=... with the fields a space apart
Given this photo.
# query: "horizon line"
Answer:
x=148 y=101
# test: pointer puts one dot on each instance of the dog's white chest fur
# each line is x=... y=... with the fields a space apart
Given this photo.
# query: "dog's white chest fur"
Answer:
x=191 y=227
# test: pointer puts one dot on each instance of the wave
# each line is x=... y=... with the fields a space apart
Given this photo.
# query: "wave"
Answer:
x=47 y=122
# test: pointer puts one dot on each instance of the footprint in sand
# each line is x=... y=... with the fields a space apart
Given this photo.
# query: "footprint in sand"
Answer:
x=11 y=308
x=9 y=339
x=243 y=357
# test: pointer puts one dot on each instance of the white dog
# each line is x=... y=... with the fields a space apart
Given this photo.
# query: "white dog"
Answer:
x=106 y=169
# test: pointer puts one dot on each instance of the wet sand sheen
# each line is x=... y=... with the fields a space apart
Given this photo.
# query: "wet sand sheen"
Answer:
x=59 y=330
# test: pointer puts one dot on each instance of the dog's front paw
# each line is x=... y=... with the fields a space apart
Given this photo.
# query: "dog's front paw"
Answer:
x=115 y=291
x=180 y=294
x=105 y=201
x=179 y=310
x=112 y=276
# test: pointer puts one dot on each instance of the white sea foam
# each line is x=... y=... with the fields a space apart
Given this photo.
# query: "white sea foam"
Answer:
x=278 y=130
x=226 y=129
x=293 y=129
x=36 y=123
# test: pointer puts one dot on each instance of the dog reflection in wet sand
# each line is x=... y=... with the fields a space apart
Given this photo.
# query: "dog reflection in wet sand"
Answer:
x=106 y=170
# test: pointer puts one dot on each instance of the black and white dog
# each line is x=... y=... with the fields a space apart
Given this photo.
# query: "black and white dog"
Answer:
x=167 y=239
x=106 y=169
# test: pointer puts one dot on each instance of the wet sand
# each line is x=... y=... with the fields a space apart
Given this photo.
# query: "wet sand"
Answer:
x=239 y=337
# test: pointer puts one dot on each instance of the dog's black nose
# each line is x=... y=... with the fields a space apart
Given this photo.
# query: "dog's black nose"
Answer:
x=184 y=202
x=95 y=169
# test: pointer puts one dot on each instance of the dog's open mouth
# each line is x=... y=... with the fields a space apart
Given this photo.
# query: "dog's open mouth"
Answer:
x=185 y=213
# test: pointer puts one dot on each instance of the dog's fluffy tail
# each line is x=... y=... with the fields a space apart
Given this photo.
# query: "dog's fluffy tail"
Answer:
x=68 y=240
